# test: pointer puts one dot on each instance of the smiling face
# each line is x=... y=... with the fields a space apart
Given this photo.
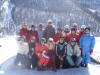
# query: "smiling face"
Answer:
x=73 y=43
x=87 y=31
x=61 y=40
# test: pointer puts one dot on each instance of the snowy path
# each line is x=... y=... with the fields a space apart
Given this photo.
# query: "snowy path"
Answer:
x=9 y=49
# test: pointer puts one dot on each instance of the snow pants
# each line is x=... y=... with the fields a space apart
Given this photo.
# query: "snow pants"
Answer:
x=23 y=59
x=74 y=60
x=52 y=62
x=85 y=56
x=43 y=61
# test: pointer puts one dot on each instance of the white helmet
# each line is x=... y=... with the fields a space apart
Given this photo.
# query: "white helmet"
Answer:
x=50 y=20
x=50 y=39
x=83 y=26
x=66 y=26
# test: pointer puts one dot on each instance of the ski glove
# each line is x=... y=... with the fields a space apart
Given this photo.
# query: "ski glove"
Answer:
x=91 y=51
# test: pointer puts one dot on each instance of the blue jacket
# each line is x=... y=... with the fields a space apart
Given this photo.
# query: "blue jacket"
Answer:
x=87 y=41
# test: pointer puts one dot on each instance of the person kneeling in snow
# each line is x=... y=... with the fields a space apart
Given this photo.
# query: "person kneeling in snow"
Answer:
x=73 y=53
x=86 y=44
x=22 y=53
x=41 y=53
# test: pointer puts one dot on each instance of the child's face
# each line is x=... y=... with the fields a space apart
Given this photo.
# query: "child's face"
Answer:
x=87 y=31
x=33 y=40
x=22 y=39
x=61 y=40
x=72 y=43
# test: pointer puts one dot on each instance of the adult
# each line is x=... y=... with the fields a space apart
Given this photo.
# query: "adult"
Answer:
x=76 y=27
x=57 y=35
x=67 y=30
x=23 y=30
x=40 y=31
x=73 y=53
x=32 y=33
x=86 y=44
x=49 y=31
x=82 y=30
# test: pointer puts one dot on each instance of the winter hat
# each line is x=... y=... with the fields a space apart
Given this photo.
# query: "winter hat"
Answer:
x=33 y=26
x=72 y=39
x=43 y=39
x=87 y=28
x=61 y=37
x=49 y=20
x=83 y=26
x=50 y=39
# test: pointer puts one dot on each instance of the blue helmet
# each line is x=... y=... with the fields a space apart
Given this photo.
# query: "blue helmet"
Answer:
x=73 y=39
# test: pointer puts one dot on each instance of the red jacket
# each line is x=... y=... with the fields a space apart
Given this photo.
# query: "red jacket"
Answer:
x=68 y=37
x=39 y=50
x=31 y=34
x=67 y=32
x=23 y=31
x=56 y=36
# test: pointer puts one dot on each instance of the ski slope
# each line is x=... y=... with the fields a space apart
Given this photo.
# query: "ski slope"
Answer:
x=8 y=52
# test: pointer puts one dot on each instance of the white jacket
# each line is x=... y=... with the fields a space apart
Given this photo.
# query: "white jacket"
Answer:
x=71 y=52
x=23 y=48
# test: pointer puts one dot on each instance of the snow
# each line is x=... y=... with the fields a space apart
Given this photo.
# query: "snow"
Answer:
x=9 y=49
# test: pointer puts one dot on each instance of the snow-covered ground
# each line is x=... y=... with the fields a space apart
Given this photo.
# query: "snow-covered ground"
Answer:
x=9 y=48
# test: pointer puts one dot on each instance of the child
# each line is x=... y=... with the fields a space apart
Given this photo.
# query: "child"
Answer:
x=41 y=53
x=51 y=54
x=31 y=54
x=73 y=53
x=86 y=44
x=22 y=53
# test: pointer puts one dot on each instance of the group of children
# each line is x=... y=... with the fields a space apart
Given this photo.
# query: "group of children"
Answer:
x=45 y=49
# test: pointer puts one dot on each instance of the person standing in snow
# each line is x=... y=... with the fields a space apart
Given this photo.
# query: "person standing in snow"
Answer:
x=41 y=53
x=73 y=53
x=76 y=27
x=23 y=30
x=81 y=32
x=60 y=48
x=22 y=53
x=67 y=30
x=49 y=31
x=57 y=35
x=40 y=31
x=86 y=44
x=31 y=53
x=32 y=33
x=51 y=54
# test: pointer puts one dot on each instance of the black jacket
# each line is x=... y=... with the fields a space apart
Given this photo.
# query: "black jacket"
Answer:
x=61 y=49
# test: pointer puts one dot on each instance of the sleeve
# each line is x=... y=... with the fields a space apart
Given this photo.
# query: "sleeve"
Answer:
x=37 y=37
x=80 y=42
x=36 y=49
x=65 y=50
x=78 y=51
x=68 y=50
x=56 y=50
x=44 y=54
x=27 y=49
x=92 y=43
